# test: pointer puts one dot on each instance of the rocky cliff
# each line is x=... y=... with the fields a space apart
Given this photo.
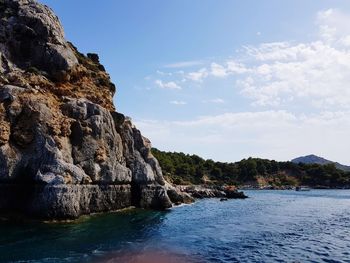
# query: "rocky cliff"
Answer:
x=64 y=150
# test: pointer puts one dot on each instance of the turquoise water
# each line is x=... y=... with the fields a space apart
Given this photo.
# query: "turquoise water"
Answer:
x=270 y=226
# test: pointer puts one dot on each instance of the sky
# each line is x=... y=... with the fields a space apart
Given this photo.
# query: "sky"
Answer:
x=225 y=79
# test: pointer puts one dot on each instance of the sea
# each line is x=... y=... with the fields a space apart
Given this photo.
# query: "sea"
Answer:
x=269 y=226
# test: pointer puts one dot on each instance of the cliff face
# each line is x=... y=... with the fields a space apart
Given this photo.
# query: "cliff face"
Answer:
x=64 y=150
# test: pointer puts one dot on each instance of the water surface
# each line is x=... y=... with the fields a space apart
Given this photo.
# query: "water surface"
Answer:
x=270 y=226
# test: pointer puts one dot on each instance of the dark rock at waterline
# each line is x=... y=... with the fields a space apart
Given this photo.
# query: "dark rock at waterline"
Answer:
x=63 y=201
x=234 y=194
x=207 y=193
x=178 y=197
x=64 y=151
x=199 y=191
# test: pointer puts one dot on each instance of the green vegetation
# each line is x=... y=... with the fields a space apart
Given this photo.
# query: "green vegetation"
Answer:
x=181 y=168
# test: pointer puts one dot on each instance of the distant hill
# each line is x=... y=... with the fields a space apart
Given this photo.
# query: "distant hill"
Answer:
x=311 y=159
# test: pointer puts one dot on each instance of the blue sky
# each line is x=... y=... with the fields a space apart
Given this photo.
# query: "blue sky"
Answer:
x=225 y=79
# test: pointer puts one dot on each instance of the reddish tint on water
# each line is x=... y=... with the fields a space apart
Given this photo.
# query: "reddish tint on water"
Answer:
x=149 y=257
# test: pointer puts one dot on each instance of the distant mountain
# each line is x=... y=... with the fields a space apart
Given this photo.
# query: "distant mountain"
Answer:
x=309 y=159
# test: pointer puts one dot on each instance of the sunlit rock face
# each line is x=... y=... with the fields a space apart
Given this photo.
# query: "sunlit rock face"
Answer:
x=64 y=150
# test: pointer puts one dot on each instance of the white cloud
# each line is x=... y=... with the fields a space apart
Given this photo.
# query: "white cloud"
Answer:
x=167 y=85
x=184 y=64
x=199 y=75
x=280 y=51
x=271 y=134
x=231 y=67
x=234 y=67
x=333 y=25
x=178 y=102
x=218 y=71
x=314 y=72
x=308 y=80
x=162 y=73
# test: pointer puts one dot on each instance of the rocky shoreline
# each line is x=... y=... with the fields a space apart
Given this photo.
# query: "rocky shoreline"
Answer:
x=202 y=191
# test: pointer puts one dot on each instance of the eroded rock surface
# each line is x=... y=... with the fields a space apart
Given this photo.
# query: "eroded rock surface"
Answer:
x=32 y=36
x=64 y=150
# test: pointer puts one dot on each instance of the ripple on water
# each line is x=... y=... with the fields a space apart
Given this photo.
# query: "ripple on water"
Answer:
x=270 y=226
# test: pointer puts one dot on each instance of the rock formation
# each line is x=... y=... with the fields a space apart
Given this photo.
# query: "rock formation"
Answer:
x=64 y=150
x=203 y=191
